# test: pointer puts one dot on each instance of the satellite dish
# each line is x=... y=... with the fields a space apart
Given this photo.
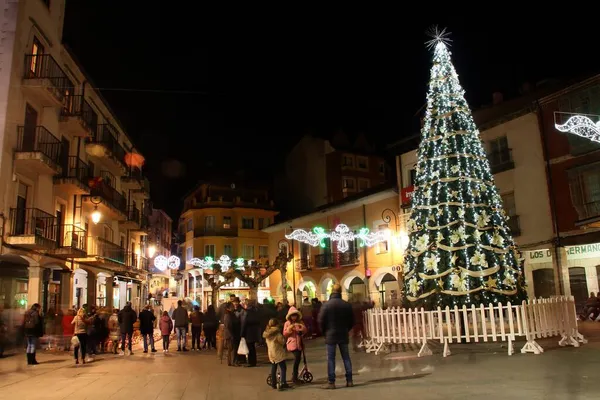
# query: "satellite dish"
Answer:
x=233 y=185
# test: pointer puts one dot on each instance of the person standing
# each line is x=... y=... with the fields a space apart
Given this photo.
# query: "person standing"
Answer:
x=127 y=318
x=80 y=330
x=336 y=320
x=34 y=330
x=251 y=330
x=166 y=326
x=147 y=319
x=196 y=319
x=293 y=330
x=114 y=330
x=180 y=315
x=276 y=352
x=231 y=335
x=210 y=325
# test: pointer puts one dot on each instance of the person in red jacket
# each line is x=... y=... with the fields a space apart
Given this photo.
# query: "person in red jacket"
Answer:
x=68 y=329
x=293 y=330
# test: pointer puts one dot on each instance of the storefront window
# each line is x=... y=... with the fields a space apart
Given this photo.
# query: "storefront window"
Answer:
x=543 y=282
x=578 y=285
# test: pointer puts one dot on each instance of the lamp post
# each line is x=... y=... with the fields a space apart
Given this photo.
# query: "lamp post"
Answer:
x=96 y=214
x=386 y=216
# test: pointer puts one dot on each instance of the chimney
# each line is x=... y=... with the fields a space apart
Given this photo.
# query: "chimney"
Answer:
x=497 y=98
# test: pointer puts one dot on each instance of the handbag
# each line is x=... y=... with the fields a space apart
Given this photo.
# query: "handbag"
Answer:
x=243 y=348
x=75 y=341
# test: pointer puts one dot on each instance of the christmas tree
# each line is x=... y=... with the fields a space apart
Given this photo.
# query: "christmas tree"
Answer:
x=461 y=251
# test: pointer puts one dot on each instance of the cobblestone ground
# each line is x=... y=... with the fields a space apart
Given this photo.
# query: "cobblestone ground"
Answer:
x=473 y=371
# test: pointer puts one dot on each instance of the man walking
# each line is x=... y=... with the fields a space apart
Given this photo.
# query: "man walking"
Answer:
x=180 y=315
x=147 y=319
x=127 y=318
x=336 y=320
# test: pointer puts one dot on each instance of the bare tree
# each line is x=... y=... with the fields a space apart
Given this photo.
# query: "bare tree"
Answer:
x=253 y=274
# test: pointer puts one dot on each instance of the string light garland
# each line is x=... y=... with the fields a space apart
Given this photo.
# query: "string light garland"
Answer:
x=341 y=234
x=224 y=262
x=581 y=125
x=460 y=248
x=162 y=262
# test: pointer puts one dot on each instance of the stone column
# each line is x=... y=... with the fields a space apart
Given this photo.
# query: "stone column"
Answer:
x=34 y=287
x=66 y=290
x=91 y=288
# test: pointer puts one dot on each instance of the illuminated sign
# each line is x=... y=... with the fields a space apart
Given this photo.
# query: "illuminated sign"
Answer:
x=341 y=234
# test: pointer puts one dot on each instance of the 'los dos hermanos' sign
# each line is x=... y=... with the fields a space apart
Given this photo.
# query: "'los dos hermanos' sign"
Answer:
x=583 y=251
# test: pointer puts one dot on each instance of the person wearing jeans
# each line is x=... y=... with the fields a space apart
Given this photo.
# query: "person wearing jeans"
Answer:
x=34 y=329
x=147 y=319
x=127 y=317
x=180 y=315
x=336 y=320
x=276 y=352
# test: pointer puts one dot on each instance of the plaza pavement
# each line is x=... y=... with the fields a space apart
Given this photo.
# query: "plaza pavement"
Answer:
x=472 y=372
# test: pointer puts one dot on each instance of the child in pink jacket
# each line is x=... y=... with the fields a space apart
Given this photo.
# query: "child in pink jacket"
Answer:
x=293 y=330
x=166 y=327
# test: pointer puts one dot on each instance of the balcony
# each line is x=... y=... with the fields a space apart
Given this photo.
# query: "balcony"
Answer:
x=104 y=144
x=330 y=260
x=133 y=179
x=72 y=242
x=32 y=228
x=77 y=117
x=501 y=161
x=37 y=150
x=232 y=231
x=144 y=189
x=514 y=225
x=302 y=264
x=103 y=251
x=75 y=177
x=137 y=262
x=45 y=81
x=114 y=202
x=133 y=218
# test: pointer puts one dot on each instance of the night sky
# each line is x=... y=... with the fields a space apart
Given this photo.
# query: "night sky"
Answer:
x=204 y=94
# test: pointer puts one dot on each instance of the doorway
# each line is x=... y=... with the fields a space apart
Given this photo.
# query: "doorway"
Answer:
x=31 y=118
x=60 y=220
x=64 y=155
x=21 y=217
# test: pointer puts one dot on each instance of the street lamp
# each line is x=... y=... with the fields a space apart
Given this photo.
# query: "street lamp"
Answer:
x=96 y=214
x=151 y=251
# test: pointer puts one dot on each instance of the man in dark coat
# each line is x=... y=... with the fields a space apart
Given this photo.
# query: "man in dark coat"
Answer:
x=147 y=319
x=34 y=329
x=127 y=318
x=336 y=320
x=251 y=330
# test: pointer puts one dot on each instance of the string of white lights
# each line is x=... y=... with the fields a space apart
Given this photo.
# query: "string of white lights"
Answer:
x=341 y=234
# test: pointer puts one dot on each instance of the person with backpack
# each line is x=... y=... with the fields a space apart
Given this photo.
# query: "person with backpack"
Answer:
x=34 y=330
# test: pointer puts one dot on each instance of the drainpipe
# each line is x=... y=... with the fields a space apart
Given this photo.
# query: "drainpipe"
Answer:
x=366 y=261
x=559 y=285
x=3 y=218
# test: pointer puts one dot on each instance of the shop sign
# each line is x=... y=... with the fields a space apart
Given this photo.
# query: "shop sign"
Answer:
x=583 y=251
x=538 y=256
x=406 y=195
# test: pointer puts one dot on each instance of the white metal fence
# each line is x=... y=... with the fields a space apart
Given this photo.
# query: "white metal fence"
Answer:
x=534 y=319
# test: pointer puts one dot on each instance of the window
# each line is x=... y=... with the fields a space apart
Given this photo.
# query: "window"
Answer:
x=348 y=161
x=36 y=61
x=226 y=222
x=348 y=184
x=263 y=251
x=585 y=101
x=209 y=250
x=362 y=162
x=500 y=156
x=261 y=223
x=190 y=225
x=228 y=250
x=209 y=222
x=247 y=223
x=584 y=184
x=381 y=168
x=248 y=251
x=363 y=184
x=189 y=253
x=383 y=247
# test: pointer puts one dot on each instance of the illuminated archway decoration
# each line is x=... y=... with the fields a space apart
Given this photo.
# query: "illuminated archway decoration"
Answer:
x=341 y=234
x=162 y=263
x=581 y=125
x=224 y=262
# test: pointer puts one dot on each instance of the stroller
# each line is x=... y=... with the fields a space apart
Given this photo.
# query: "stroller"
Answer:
x=304 y=374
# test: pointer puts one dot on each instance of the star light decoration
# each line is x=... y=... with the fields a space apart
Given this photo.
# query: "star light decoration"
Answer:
x=224 y=262
x=162 y=262
x=341 y=234
x=581 y=125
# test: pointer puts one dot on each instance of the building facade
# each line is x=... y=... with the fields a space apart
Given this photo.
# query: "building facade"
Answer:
x=74 y=203
x=512 y=137
x=574 y=183
x=364 y=272
x=160 y=234
x=319 y=171
x=225 y=219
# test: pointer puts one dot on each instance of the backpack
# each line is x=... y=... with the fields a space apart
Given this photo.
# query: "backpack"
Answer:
x=30 y=322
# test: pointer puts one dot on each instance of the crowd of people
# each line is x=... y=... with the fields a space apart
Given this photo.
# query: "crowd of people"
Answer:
x=280 y=328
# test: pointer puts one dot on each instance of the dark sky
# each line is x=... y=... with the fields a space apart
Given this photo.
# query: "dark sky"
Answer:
x=217 y=93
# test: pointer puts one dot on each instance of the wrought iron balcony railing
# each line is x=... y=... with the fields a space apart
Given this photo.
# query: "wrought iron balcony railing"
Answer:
x=44 y=66
x=111 y=196
x=38 y=139
x=328 y=260
x=32 y=222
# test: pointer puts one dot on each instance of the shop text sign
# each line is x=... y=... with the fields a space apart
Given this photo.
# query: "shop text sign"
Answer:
x=583 y=251
x=539 y=256
x=406 y=195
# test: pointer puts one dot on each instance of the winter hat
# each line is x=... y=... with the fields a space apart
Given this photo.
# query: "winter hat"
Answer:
x=293 y=310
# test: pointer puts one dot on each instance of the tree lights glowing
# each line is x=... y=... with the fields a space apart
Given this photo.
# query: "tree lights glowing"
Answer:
x=341 y=234
x=460 y=249
x=581 y=125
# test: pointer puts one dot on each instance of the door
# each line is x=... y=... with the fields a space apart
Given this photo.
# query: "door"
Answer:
x=60 y=220
x=64 y=155
x=31 y=117
x=21 y=212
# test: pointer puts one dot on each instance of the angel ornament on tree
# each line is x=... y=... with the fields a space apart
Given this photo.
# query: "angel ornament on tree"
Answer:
x=461 y=251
